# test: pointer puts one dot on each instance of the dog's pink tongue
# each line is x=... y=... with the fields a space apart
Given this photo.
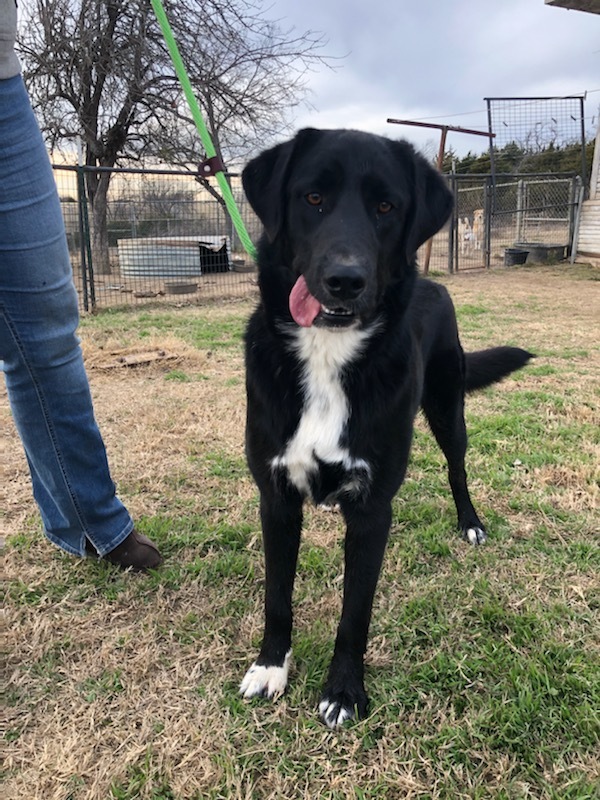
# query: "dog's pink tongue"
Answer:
x=303 y=306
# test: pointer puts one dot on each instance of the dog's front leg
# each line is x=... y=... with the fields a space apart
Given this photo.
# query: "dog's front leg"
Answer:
x=281 y=519
x=344 y=696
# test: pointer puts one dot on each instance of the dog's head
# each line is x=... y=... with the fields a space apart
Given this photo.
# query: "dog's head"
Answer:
x=345 y=212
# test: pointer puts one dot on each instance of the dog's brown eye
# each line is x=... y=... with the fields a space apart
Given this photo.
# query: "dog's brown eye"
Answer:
x=314 y=198
x=384 y=207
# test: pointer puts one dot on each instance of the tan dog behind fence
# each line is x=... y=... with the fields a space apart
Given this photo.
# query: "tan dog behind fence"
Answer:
x=477 y=231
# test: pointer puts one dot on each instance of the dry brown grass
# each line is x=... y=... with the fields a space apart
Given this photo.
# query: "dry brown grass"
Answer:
x=123 y=686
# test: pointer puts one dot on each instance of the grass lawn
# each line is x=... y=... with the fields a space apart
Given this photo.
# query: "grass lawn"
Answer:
x=483 y=666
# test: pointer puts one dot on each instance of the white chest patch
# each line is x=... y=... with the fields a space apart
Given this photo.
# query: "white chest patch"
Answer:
x=325 y=411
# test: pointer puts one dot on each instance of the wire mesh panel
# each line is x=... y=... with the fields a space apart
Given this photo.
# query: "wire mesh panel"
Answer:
x=530 y=131
x=160 y=236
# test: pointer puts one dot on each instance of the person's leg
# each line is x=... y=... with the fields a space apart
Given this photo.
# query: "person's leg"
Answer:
x=45 y=376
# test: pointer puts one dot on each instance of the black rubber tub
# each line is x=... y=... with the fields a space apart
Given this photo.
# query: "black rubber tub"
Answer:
x=515 y=255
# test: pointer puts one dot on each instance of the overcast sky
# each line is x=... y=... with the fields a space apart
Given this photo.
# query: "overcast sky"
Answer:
x=436 y=60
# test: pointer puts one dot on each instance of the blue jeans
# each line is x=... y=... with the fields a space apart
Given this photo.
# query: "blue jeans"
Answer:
x=45 y=377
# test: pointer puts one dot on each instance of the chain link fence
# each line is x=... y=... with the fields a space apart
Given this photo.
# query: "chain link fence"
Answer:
x=168 y=240
x=164 y=237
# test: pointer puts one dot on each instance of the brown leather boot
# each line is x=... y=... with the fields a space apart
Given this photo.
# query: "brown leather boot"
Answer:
x=136 y=552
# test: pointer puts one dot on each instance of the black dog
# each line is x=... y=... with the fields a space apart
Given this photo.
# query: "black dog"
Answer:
x=344 y=347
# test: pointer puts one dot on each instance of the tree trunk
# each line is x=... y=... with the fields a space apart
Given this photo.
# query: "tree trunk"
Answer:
x=97 y=186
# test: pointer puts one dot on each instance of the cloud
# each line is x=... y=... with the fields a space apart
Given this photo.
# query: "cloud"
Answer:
x=431 y=59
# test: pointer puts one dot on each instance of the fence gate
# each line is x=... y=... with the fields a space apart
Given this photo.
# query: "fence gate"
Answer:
x=494 y=214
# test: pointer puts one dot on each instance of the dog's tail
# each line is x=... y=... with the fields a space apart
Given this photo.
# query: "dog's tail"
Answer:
x=485 y=367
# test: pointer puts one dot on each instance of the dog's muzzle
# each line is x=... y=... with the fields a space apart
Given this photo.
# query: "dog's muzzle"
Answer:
x=306 y=310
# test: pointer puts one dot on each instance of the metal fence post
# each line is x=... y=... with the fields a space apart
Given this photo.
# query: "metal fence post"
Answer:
x=573 y=195
x=574 y=240
x=488 y=211
x=452 y=233
x=583 y=158
x=82 y=238
x=520 y=210
x=87 y=267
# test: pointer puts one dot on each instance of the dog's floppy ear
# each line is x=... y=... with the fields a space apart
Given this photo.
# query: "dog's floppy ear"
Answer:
x=264 y=180
x=431 y=204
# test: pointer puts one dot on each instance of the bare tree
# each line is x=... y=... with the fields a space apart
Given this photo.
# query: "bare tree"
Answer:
x=98 y=72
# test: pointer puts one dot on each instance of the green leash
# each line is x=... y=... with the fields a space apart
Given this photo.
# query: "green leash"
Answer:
x=184 y=80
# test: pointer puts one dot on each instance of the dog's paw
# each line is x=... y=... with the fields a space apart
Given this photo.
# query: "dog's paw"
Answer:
x=475 y=535
x=334 y=713
x=270 y=682
x=337 y=708
x=331 y=508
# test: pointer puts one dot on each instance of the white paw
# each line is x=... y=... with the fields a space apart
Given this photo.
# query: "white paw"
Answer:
x=475 y=535
x=267 y=682
x=333 y=714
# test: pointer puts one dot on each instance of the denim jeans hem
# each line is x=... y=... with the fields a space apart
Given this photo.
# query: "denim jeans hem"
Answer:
x=102 y=548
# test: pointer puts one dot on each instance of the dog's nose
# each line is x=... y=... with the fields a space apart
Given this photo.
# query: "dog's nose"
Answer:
x=344 y=282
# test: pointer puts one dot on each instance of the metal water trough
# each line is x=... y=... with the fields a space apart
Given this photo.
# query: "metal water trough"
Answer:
x=170 y=256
